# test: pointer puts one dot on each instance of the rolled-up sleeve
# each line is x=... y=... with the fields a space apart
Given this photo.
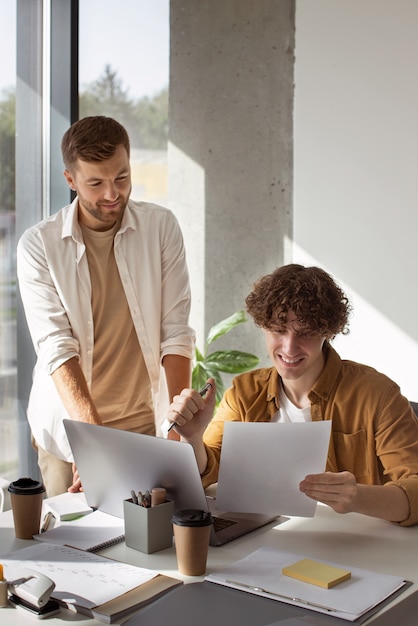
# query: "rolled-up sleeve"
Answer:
x=47 y=319
x=176 y=335
x=397 y=447
x=410 y=487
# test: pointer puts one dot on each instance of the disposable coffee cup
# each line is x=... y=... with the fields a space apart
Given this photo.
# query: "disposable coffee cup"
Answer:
x=26 y=496
x=191 y=529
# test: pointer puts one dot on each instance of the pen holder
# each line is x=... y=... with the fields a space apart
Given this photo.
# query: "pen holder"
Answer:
x=148 y=529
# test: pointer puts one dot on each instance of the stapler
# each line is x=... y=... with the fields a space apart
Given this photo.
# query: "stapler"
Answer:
x=31 y=591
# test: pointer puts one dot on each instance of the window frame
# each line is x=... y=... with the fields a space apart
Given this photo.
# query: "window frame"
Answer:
x=46 y=105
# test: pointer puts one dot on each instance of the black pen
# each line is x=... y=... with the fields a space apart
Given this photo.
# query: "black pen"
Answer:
x=202 y=392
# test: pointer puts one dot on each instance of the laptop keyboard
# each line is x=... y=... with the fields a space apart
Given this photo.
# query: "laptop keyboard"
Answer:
x=220 y=523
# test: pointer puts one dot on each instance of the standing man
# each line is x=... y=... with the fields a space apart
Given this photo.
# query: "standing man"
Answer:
x=105 y=288
x=372 y=465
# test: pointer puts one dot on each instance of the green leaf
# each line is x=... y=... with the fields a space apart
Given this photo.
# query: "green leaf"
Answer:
x=200 y=376
x=229 y=361
x=232 y=361
x=223 y=327
x=198 y=355
x=220 y=388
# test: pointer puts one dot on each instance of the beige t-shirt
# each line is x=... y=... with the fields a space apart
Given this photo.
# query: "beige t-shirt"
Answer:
x=121 y=388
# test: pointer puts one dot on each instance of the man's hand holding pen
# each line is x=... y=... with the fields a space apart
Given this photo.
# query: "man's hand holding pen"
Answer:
x=191 y=411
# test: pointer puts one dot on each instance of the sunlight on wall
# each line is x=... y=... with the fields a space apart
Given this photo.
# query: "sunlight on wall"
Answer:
x=149 y=176
x=190 y=177
x=373 y=339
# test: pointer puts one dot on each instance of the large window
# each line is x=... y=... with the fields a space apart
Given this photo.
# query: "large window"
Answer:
x=123 y=73
x=8 y=402
x=117 y=62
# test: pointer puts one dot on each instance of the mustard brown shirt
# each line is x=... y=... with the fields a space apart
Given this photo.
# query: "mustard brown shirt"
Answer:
x=374 y=429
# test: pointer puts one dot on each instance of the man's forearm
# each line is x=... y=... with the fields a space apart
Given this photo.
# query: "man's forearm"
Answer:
x=74 y=393
x=178 y=372
x=199 y=452
x=387 y=502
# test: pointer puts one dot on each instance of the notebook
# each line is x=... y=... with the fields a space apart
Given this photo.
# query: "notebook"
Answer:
x=112 y=462
x=93 y=532
x=68 y=506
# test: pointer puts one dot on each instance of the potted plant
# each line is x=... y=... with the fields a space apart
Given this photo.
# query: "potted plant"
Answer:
x=210 y=365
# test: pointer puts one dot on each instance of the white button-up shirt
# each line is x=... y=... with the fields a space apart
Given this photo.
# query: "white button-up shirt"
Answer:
x=54 y=283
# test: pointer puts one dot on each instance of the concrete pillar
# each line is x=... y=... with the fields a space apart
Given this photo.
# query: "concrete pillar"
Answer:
x=230 y=150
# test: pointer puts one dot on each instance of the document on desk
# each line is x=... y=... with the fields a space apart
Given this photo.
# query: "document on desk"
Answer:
x=89 y=583
x=261 y=573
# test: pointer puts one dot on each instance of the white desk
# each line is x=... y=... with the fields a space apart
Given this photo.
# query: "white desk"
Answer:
x=352 y=540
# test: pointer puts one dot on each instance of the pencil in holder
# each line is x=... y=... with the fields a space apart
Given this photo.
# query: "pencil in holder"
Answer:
x=148 y=529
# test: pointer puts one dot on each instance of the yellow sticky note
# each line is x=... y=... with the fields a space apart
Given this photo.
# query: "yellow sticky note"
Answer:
x=316 y=573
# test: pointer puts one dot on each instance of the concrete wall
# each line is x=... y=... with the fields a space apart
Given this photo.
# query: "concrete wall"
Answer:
x=355 y=191
x=347 y=203
x=230 y=151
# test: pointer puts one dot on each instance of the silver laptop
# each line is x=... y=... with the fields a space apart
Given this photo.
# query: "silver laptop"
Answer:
x=112 y=462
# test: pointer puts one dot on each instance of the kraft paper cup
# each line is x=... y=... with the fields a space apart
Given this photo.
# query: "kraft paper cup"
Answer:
x=26 y=497
x=191 y=529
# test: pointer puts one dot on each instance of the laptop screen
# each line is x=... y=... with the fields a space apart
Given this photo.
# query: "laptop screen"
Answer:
x=112 y=462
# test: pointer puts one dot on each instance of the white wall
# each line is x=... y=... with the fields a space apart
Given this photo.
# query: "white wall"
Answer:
x=355 y=159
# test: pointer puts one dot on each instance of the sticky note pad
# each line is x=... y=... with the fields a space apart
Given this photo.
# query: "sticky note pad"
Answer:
x=316 y=573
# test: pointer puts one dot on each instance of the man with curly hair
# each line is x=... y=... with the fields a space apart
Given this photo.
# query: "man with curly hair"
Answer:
x=372 y=465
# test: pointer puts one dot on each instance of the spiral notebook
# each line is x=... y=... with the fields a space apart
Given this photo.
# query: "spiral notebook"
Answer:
x=93 y=532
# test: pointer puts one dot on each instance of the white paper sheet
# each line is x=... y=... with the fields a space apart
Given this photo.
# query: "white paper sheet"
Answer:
x=261 y=573
x=263 y=463
x=68 y=506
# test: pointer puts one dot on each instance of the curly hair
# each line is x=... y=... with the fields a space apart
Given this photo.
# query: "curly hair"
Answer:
x=320 y=306
x=93 y=139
